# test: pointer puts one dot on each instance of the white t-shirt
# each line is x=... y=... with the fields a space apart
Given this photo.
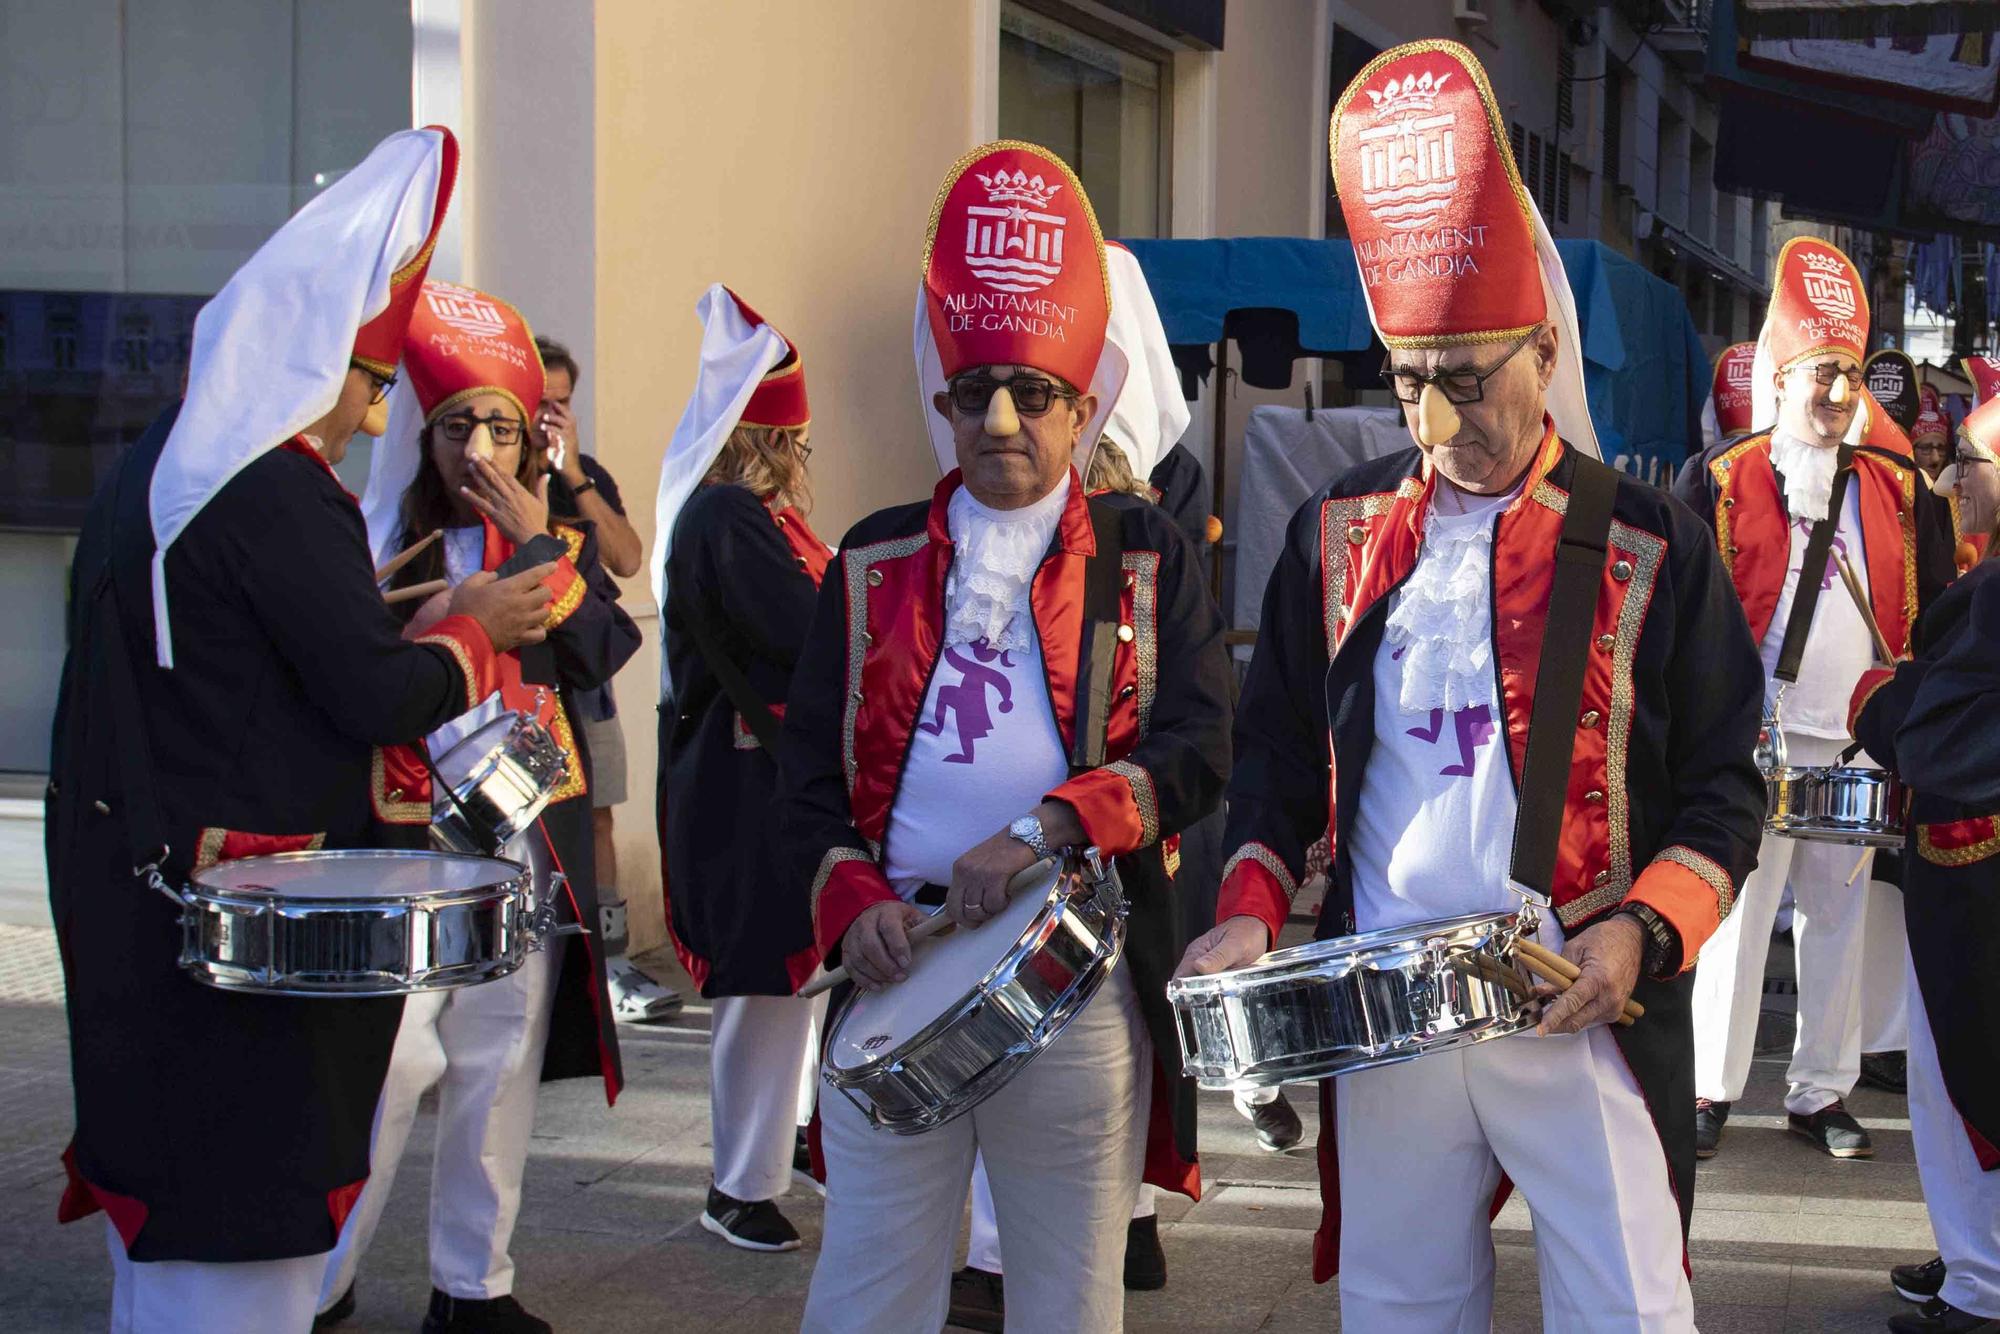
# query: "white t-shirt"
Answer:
x=1838 y=648
x=1433 y=830
x=985 y=752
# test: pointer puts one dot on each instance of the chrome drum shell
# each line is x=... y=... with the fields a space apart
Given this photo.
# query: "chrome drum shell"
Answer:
x=1830 y=804
x=503 y=777
x=1000 y=1021
x=1351 y=1003
x=367 y=922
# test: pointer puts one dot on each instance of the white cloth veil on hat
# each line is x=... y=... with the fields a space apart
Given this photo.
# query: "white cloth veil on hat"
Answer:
x=1150 y=415
x=271 y=348
x=735 y=356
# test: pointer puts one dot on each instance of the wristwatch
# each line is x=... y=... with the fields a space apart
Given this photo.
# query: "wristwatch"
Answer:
x=1028 y=829
x=1663 y=943
x=587 y=484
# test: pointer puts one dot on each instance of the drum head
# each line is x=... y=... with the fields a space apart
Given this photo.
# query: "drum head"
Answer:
x=945 y=972
x=356 y=874
x=457 y=764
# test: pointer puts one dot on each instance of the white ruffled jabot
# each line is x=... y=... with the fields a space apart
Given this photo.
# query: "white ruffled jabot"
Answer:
x=1441 y=620
x=1807 y=470
x=998 y=552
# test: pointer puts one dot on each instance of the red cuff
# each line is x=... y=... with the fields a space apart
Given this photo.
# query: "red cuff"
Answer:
x=1691 y=891
x=1871 y=681
x=478 y=665
x=848 y=882
x=567 y=589
x=1256 y=883
x=1115 y=805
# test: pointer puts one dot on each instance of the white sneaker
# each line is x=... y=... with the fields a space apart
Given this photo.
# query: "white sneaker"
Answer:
x=636 y=998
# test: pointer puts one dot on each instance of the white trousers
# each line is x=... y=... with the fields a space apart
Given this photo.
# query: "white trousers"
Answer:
x=983 y=1249
x=1065 y=1141
x=1422 y=1147
x=1885 y=954
x=482 y=1047
x=1828 y=929
x=760 y=1054
x=174 y=1296
x=1963 y=1201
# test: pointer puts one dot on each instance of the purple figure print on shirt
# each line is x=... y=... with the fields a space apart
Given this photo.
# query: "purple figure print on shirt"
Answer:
x=1472 y=728
x=967 y=698
x=1839 y=549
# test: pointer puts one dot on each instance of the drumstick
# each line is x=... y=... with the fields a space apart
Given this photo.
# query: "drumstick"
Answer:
x=1564 y=972
x=1882 y=649
x=1855 y=874
x=415 y=591
x=1491 y=970
x=936 y=924
x=406 y=555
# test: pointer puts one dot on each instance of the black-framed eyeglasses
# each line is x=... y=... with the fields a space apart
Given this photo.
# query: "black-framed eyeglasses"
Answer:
x=1032 y=395
x=804 y=450
x=1824 y=373
x=1459 y=384
x=383 y=383
x=505 y=431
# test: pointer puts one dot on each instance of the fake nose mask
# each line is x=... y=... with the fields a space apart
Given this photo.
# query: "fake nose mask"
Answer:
x=1838 y=392
x=1437 y=420
x=1001 y=419
x=479 y=445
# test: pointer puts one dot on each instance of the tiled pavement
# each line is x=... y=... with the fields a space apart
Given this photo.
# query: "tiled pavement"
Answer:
x=1784 y=1239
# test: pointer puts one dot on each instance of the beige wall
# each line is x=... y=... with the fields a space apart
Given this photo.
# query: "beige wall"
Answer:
x=791 y=151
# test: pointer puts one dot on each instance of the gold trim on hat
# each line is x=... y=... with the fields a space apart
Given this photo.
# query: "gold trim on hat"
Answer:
x=1498 y=129
x=957 y=171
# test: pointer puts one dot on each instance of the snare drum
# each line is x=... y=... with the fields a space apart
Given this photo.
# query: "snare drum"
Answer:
x=502 y=776
x=1831 y=804
x=979 y=1003
x=1352 y=1003
x=360 y=923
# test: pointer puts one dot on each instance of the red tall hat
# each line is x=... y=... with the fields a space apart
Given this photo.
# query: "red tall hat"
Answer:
x=380 y=341
x=780 y=397
x=1442 y=227
x=1013 y=267
x=464 y=342
x=1731 y=391
x=1932 y=419
x=1984 y=372
x=1819 y=304
x=1982 y=425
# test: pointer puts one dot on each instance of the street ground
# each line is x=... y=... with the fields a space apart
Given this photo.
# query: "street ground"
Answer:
x=1784 y=1238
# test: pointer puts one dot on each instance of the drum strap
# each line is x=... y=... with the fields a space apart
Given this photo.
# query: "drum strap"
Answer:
x=757 y=715
x=1798 y=626
x=1103 y=576
x=1552 y=725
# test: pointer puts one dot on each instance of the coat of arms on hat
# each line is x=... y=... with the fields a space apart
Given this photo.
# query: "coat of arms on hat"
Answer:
x=1827 y=285
x=468 y=311
x=1012 y=242
x=1408 y=165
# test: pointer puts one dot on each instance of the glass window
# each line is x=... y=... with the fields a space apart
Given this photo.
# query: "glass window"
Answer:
x=1101 y=105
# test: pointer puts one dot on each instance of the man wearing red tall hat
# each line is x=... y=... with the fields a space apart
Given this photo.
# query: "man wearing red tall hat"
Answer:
x=1827 y=472
x=232 y=674
x=458 y=457
x=1401 y=657
x=736 y=569
x=1726 y=415
x=954 y=719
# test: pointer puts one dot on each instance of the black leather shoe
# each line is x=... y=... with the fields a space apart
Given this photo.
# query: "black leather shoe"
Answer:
x=1834 y=1131
x=337 y=1312
x=490 y=1315
x=1709 y=1118
x=1278 y=1126
x=1886 y=1070
x=1918 y=1283
x=1145 y=1262
x=754 y=1225
x=1938 y=1316
x=978 y=1301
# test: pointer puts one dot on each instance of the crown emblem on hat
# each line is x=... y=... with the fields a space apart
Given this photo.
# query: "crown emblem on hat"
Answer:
x=1019 y=188
x=1418 y=92
x=1820 y=263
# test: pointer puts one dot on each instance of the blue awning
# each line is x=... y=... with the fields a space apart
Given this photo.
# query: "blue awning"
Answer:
x=1645 y=371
